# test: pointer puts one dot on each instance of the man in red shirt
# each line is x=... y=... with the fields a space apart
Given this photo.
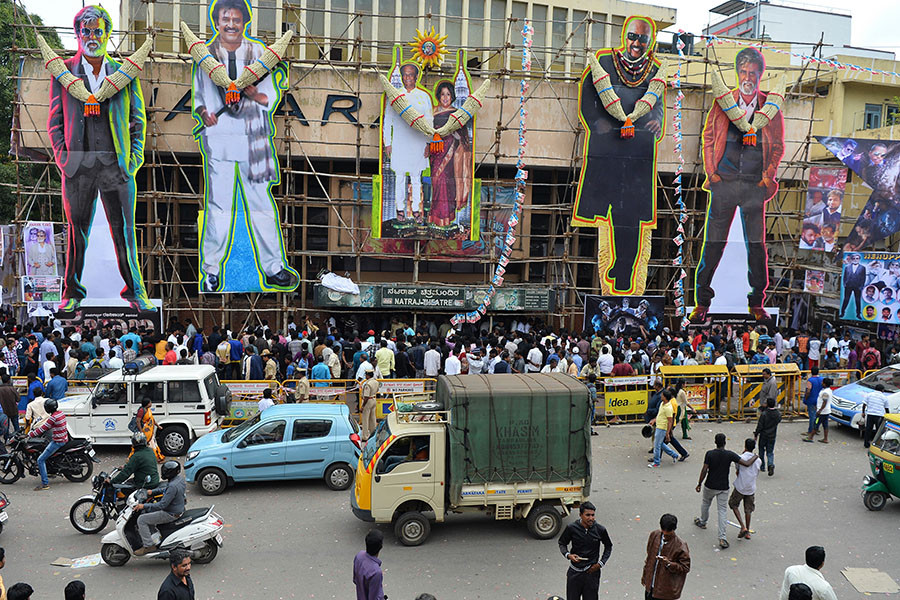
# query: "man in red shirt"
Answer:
x=171 y=358
x=56 y=422
x=621 y=368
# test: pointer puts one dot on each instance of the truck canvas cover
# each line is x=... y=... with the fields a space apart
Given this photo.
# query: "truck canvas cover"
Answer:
x=516 y=429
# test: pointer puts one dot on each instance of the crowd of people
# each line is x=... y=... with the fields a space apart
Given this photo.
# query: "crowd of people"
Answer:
x=329 y=351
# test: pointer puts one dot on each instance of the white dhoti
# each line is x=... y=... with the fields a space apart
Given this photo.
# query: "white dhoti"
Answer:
x=223 y=178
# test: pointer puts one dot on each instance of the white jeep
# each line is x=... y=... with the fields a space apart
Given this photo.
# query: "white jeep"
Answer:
x=188 y=402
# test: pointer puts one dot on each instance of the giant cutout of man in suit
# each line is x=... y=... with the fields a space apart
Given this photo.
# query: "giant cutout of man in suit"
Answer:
x=853 y=280
x=239 y=157
x=98 y=154
x=739 y=176
x=617 y=189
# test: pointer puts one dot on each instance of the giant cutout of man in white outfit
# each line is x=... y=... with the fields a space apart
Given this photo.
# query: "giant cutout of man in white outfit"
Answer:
x=239 y=156
x=407 y=149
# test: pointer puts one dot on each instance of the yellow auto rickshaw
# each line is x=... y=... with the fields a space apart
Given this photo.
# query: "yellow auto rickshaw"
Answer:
x=884 y=459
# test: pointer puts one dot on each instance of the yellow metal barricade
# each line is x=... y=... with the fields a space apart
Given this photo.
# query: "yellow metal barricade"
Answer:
x=245 y=397
x=623 y=398
x=750 y=380
x=389 y=387
x=706 y=386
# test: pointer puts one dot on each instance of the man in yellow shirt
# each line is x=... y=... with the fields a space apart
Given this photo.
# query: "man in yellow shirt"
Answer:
x=665 y=420
x=384 y=359
x=160 y=351
x=673 y=440
x=754 y=339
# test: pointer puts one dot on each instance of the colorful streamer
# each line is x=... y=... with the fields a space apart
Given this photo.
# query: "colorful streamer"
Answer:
x=521 y=179
x=822 y=61
x=677 y=136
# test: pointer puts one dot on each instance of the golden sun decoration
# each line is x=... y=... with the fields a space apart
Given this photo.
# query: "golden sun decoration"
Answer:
x=428 y=48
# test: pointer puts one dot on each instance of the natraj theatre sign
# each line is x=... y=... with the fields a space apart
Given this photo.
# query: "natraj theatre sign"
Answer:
x=437 y=298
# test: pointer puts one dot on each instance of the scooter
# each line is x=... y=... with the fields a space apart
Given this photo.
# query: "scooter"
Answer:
x=198 y=530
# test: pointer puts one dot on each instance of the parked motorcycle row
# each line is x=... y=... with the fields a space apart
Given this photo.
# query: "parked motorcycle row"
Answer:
x=198 y=530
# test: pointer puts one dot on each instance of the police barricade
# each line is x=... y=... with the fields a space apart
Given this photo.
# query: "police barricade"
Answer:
x=245 y=397
x=706 y=387
x=388 y=387
x=750 y=379
x=326 y=391
x=247 y=394
x=76 y=387
x=623 y=398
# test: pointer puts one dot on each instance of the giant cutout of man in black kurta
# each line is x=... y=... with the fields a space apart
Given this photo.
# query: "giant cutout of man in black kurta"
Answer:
x=617 y=189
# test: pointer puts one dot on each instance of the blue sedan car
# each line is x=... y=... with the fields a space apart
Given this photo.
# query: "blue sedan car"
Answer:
x=846 y=408
x=286 y=441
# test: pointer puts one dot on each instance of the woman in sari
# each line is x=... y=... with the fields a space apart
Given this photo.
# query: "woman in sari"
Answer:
x=448 y=168
x=147 y=424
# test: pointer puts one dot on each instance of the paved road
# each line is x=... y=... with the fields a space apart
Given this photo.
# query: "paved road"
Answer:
x=297 y=540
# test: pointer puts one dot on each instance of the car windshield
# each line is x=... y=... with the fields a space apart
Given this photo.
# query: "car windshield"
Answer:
x=110 y=393
x=382 y=433
x=888 y=377
x=236 y=431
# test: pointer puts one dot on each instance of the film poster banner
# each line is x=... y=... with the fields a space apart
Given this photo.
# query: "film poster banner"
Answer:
x=888 y=333
x=697 y=395
x=877 y=163
x=493 y=226
x=624 y=314
x=41 y=289
x=617 y=185
x=40 y=249
x=870 y=286
x=123 y=318
x=822 y=214
x=426 y=190
x=241 y=241
x=814 y=282
x=732 y=276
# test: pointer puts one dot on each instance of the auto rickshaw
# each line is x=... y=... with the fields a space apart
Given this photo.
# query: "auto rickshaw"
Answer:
x=884 y=459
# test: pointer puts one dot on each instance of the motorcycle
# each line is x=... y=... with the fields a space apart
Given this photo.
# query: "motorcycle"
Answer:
x=91 y=512
x=74 y=461
x=198 y=530
x=4 y=502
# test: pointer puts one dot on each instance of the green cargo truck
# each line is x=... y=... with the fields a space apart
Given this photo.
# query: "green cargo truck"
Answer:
x=511 y=446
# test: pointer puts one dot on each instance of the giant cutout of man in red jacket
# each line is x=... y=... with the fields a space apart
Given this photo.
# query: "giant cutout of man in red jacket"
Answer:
x=739 y=175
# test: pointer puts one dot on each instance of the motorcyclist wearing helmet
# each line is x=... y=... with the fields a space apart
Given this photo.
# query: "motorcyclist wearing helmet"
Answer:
x=141 y=464
x=165 y=510
x=56 y=423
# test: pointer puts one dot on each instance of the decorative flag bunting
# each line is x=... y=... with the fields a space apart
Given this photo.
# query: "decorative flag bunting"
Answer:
x=678 y=240
x=521 y=178
x=822 y=61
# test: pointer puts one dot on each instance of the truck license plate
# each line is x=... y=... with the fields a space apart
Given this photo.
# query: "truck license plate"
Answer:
x=91 y=452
